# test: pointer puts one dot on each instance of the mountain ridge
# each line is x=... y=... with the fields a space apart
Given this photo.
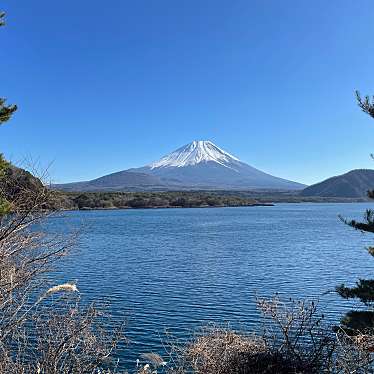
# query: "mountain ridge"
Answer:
x=353 y=184
x=203 y=164
x=117 y=181
x=197 y=165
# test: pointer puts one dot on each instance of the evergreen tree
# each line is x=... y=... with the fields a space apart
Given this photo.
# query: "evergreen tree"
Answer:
x=361 y=320
x=6 y=112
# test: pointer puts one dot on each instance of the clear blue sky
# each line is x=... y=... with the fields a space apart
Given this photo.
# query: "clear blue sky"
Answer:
x=104 y=86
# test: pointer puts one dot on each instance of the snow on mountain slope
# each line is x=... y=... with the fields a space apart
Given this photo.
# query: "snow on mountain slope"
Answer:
x=201 y=164
x=194 y=153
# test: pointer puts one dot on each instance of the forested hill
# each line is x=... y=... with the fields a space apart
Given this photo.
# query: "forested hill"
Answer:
x=353 y=184
x=123 y=200
x=15 y=180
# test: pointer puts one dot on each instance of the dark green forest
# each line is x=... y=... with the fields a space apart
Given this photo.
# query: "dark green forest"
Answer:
x=139 y=200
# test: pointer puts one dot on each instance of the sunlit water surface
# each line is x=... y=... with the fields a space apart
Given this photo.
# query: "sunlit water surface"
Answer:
x=178 y=269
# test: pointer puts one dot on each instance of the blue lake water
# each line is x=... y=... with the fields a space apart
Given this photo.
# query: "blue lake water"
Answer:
x=178 y=269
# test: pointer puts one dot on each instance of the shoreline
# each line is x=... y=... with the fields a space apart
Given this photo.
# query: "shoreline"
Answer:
x=169 y=207
x=210 y=207
x=181 y=199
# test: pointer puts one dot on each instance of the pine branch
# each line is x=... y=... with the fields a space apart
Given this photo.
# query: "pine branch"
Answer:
x=358 y=321
x=364 y=291
x=2 y=19
x=366 y=104
x=367 y=225
x=6 y=111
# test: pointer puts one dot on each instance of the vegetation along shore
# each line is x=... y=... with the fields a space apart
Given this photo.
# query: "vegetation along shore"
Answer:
x=149 y=200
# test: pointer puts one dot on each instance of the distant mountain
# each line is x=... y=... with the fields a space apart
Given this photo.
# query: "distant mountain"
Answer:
x=201 y=164
x=120 y=181
x=17 y=181
x=197 y=165
x=353 y=184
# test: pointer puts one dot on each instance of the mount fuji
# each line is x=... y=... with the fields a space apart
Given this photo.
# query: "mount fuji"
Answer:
x=200 y=165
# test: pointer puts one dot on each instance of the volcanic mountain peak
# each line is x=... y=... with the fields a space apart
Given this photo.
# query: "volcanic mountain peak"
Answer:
x=198 y=165
x=194 y=153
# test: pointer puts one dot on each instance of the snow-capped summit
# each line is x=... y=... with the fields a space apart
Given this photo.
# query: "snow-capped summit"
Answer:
x=199 y=165
x=203 y=165
x=194 y=153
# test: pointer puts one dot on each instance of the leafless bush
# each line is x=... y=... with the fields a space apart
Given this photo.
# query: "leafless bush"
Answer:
x=43 y=329
x=73 y=339
x=220 y=350
x=295 y=339
x=353 y=354
x=297 y=332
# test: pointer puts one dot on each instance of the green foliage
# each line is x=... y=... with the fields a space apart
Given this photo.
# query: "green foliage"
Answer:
x=2 y=19
x=4 y=207
x=358 y=320
x=366 y=104
x=142 y=200
x=3 y=165
x=6 y=111
x=367 y=224
x=4 y=204
x=363 y=290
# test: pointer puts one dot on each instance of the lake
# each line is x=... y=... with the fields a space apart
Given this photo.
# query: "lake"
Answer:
x=178 y=269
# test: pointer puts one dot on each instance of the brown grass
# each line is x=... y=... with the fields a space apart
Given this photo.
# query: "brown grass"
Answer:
x=295 y=340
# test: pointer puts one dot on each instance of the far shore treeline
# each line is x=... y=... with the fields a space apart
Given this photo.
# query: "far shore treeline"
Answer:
x=126 y=200
x=63 y=200
x=179 y=199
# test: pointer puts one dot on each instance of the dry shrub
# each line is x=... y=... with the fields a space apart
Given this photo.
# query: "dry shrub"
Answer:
x=354 y=354
x=43 y=326
x=73 y=339
x=296 y=332
x=222 y=351
x=295 y=339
